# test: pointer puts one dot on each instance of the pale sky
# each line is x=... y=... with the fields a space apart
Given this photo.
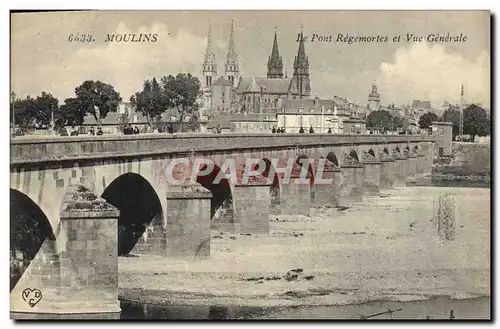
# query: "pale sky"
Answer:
x=43 y=60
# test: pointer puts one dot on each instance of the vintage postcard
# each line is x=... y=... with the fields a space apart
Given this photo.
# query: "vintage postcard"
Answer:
x=250 y=165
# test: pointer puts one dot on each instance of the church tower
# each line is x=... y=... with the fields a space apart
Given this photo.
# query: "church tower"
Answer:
x=374 y=99
x=300 y=78
x=275 y=62
x=209 y=71
x=232 y=72
x=209 y=63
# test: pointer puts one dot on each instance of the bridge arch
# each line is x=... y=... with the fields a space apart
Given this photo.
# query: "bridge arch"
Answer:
x=354 y=155
x=139 y=206
x=29 y=229
x=275 y=192
x=300 y=160
x=372 y=153
x=222 y=204
x=333 y=159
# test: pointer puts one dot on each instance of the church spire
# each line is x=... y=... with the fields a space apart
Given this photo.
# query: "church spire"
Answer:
x=275 y=62
x=232 y=67
x=209 y=62
x=231 y=53
x=301 y=70
x=209 y=54
x=301 y=60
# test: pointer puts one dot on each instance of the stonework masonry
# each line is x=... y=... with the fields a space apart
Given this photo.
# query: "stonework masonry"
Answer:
x=188 y=230
x=371 y=177
x=328 y=194
x=72 y=173
x=352 y=182
x=387 y=172
x=252 y=208
x=86 y=242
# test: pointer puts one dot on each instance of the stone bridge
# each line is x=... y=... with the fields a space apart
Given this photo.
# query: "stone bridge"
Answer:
x=79 y=202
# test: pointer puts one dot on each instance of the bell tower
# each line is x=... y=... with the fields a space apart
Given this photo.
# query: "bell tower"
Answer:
x=300 y=78
x=232 y=70
x=209 y=70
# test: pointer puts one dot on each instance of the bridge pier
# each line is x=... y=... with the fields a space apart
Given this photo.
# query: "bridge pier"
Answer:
x=328 y=194
x=87 y=286
x=387 y=172
x=411 y=171
x=352 y=182
x=430 y=160
x=188 y=221
x=296 y=194
x=400 y=169
x=252 y=204
x=421 y=163
x=371 y=175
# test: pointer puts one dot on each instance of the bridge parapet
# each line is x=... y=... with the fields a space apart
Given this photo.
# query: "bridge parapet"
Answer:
x=71 y=148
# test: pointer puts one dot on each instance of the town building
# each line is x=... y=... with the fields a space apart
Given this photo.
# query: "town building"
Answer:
x=354 y=126
x=322 y=115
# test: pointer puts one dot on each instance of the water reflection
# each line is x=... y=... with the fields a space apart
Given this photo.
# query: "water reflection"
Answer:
x=140 y=311
x=460 y=183
x=435 y=308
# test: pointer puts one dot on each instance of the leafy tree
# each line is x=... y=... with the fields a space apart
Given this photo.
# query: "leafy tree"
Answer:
x=98 y=98
x=401 y=123
x=150 y=102
x=24 y=113
x=476 y=122
x=45 y=104
x=426 y=120
x=71 y=113
x=181 y=93
x=380 y=118
x=34 y=112
x=453 y=115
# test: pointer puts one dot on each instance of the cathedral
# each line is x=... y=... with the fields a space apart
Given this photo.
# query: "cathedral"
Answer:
x=231 y=93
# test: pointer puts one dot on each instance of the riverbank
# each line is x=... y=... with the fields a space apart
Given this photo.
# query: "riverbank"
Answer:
x=379 y=249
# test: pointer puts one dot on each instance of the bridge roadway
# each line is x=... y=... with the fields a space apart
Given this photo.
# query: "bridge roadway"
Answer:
x=35 y=150
x=85 y=200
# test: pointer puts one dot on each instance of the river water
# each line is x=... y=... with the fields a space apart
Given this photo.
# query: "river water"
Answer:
x=437 y=309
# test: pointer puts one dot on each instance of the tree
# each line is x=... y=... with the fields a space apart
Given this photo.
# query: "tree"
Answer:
x=381 y=118
x=426 y=119
x=71 y=113
x=453 y=115
x=181 y=93
x=98 y=98
x=45 y=104
x=150 y=102
x=34 y=112
x=476 y=122
x=24 y=113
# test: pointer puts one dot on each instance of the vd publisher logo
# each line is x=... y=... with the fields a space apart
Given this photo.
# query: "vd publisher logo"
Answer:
x=32 y=296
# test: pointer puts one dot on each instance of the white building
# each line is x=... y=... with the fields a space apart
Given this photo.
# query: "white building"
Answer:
x=323 y=115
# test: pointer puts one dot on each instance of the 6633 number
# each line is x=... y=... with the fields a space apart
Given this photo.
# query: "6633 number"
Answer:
x=80 y=37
